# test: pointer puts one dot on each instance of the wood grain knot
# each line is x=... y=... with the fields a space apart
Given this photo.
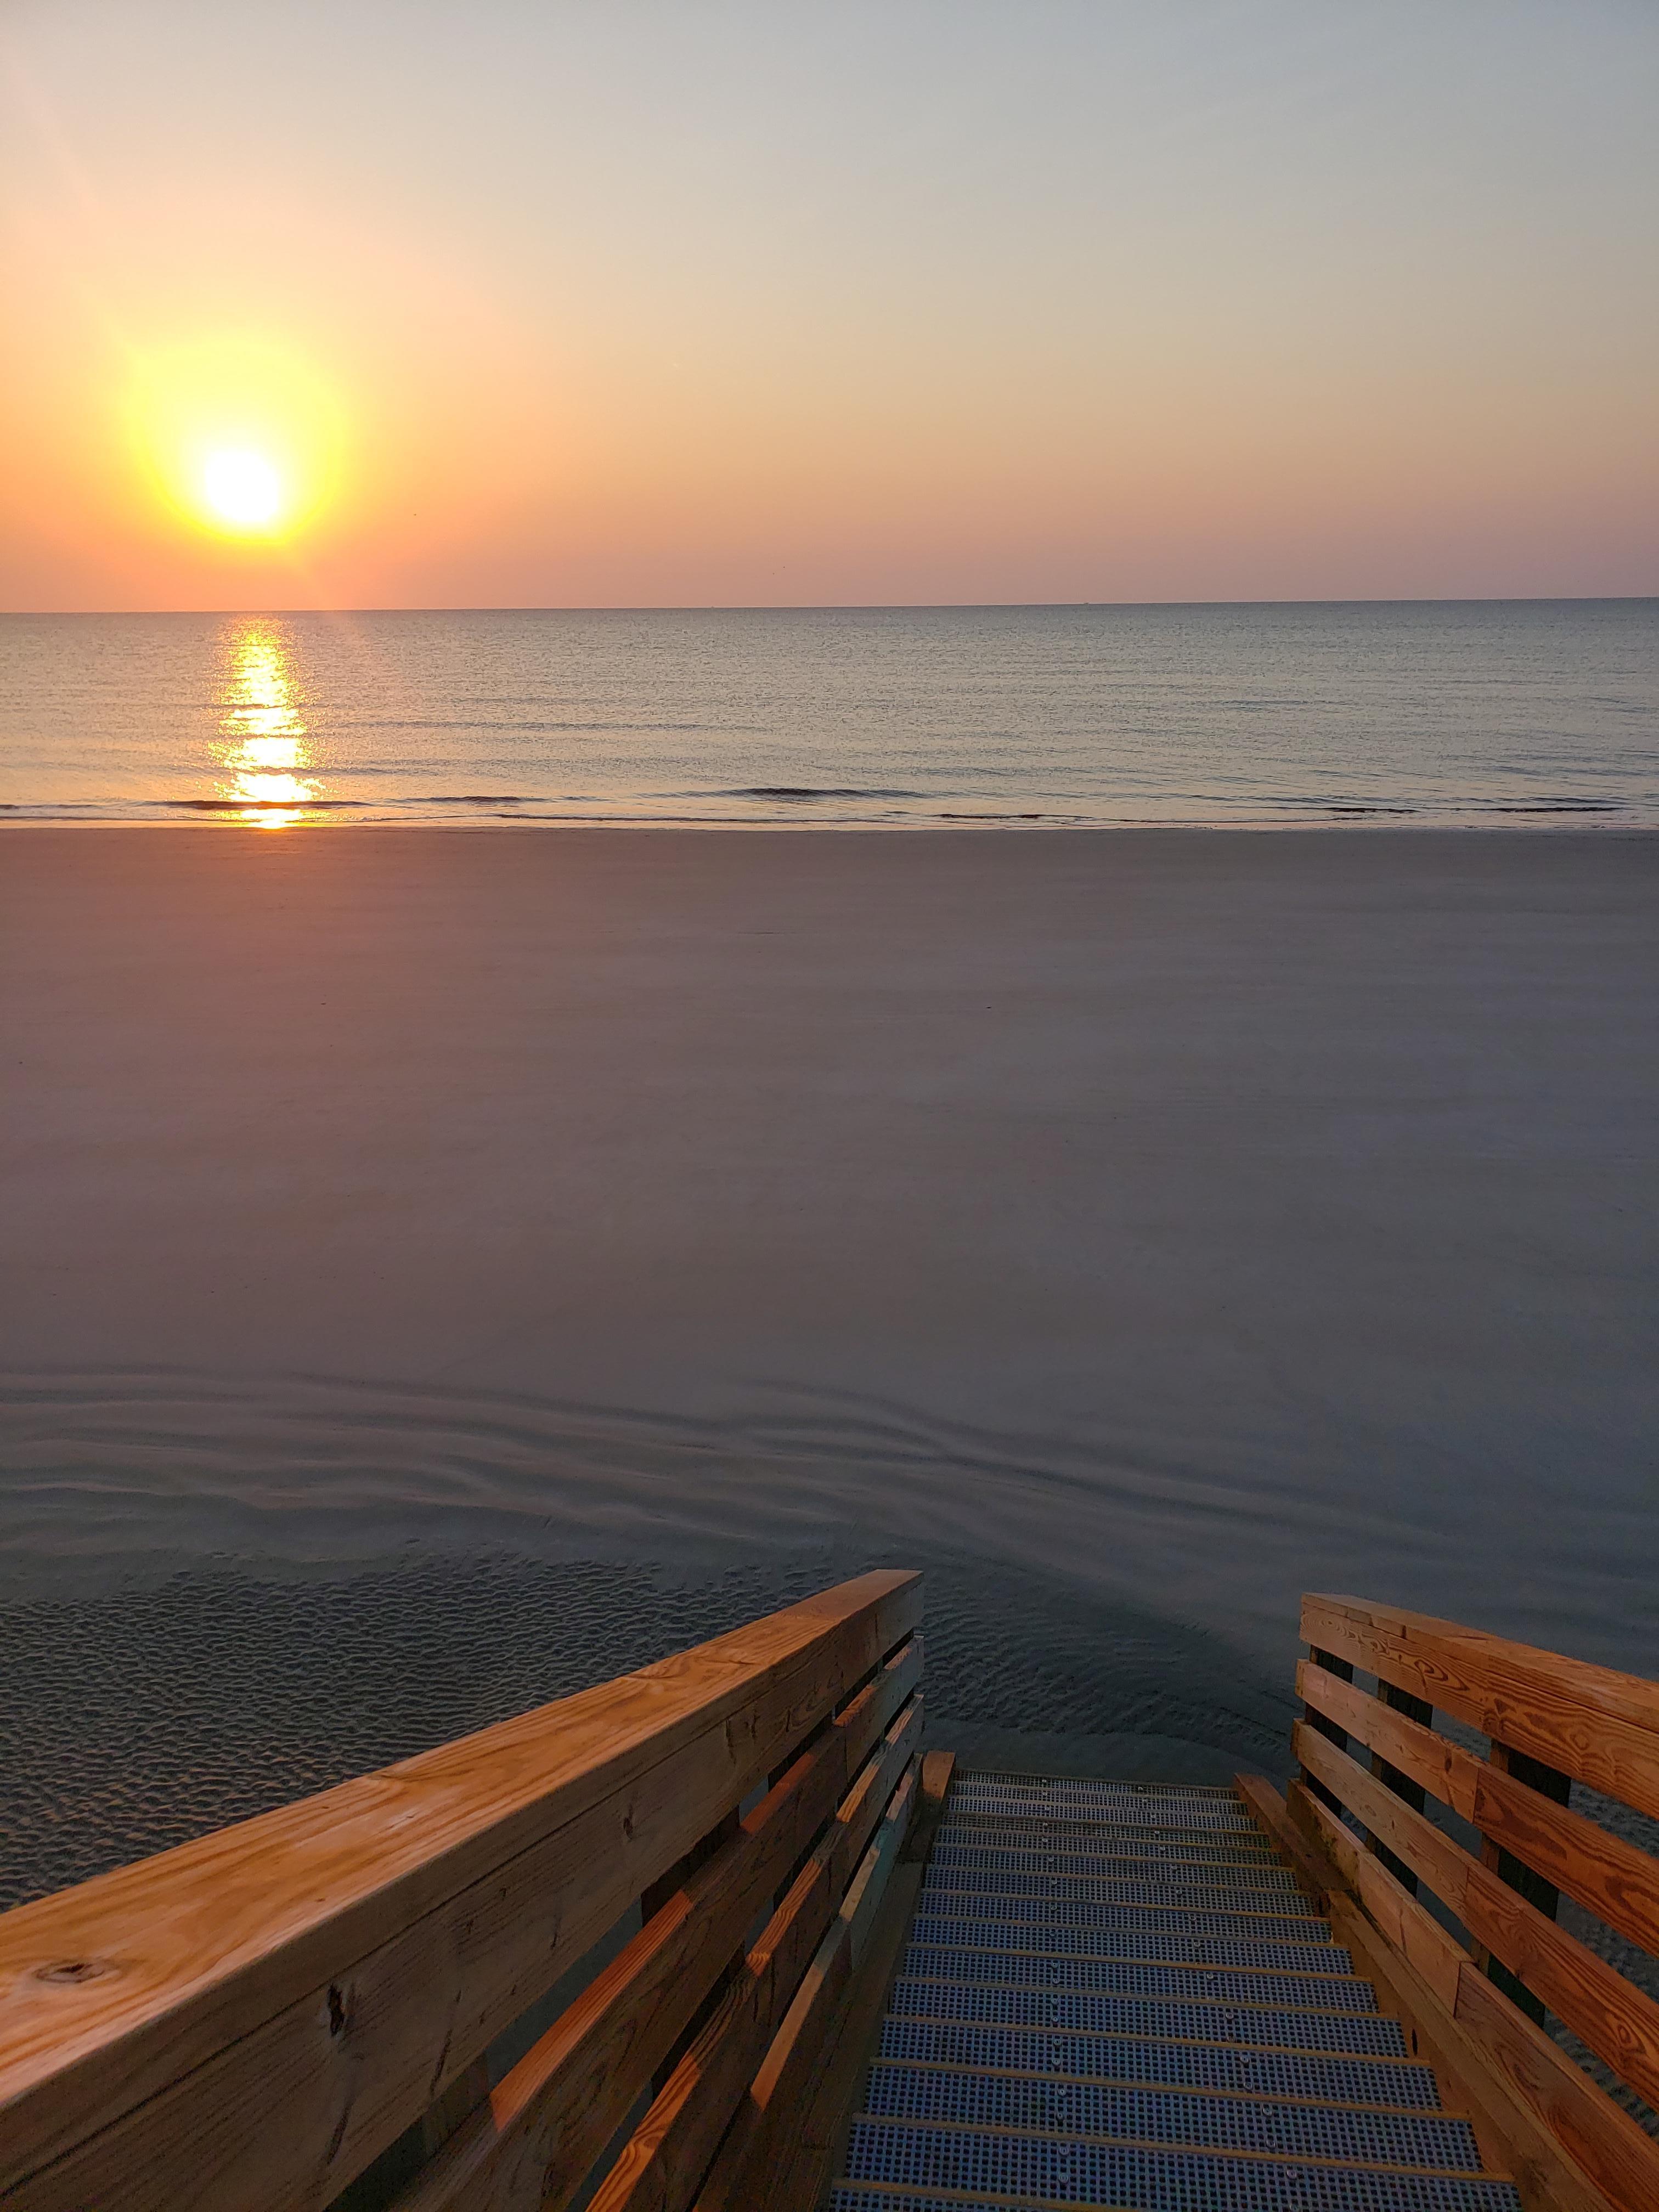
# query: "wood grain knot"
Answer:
x=73 y=1971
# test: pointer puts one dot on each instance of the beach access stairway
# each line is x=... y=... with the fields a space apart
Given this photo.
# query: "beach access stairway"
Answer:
x=719 y=1936
x=1117 y=1993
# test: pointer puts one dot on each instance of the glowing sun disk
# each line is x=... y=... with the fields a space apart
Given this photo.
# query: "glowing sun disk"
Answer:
x=242 y=489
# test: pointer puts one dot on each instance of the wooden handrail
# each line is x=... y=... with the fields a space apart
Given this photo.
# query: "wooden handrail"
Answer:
x=1606 y=1876
x=1600 y=1727
x=1572 y=1719
x=252 y=2020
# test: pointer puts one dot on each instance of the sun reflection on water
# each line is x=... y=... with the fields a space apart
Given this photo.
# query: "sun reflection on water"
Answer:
x=261 y=750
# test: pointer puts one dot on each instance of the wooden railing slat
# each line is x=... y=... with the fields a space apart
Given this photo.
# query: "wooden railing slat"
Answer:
x=1599 y=1726
x=1617 y=2156
x=659 y=2170
x=1615 y=2020
x=1608 y=1876
x=553 y=2114
x=779 y=2092
x=335 y=1965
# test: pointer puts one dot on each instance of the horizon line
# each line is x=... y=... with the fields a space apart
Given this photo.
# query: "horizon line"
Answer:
x=842 y=606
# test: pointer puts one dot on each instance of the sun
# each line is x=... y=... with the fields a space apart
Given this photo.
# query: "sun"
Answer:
x=242 y=489
x=237 y=436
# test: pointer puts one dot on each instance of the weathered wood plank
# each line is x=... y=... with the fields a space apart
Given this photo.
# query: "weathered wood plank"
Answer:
x=1530 y=2116
x=1549 y=1784
x=1615 y=2020
x=933 y=1785
x=811 y=2150
x=337 y=1964
x=1417 y=1708
x=1439 y=1764
x=1620 y=2158
x=1432 y=1949
x=661 y=2165
x=1266 y=1805
x=1600 y=1727
x=1601 y=2138
x=1606 y=1876
x=552 y=2115
x=659 y=2169
x=780 y=2089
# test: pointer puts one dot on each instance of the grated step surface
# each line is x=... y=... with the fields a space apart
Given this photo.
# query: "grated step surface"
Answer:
x=1123 y=1797
x=1170 y=2115
x=1077 y=2171
x=1115 y=1994
x=1205 y=1889
x=1360 y=2034
x=1201 y=1826
x=1120 y=1918
x=1096 y=1838
x=1242 y=2068
x=1130 y=1946
x=1129 y=1978
x=1071 y=1821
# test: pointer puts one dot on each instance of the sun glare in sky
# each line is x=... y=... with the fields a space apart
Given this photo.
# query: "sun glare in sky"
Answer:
x=743 y=305
x=242 y=490
x=238 y=436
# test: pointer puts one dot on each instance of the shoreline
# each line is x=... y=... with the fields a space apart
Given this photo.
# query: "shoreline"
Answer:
x=1543 y=820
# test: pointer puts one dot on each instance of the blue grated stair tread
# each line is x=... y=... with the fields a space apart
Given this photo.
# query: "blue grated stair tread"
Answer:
x=1150 y=1946
x=1075 y=2170
x=1247 y=2069
x=1204 y=1889
x=1013 y=1851
x=1150 y=1824
x=1116 y=1995
x=1257 y=1910
x=1060 y=1788
x=1202 y=1942
x=1200 y=1822
x=1092 y=1840
x=1139 y=1837
x=1128 y=1978
x=1362 y=2034
x=1282 y=2128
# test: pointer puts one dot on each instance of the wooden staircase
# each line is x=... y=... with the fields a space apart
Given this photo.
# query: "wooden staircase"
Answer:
x=1117 y=1993
x=717 y=1937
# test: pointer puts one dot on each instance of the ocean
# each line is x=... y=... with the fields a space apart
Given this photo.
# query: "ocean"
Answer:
x=1477 y=712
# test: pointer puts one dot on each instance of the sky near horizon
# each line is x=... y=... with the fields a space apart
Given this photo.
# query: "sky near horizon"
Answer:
x=710 y=303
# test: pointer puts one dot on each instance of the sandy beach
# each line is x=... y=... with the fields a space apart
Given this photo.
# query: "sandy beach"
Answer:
x=1143 y=1227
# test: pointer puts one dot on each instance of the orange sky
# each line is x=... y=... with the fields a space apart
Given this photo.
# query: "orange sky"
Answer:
x=648 y=304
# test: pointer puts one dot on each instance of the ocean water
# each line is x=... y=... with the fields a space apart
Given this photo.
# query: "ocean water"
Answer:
x=1498 y=713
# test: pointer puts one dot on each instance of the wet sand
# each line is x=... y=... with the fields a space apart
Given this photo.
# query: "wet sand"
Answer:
x=1150 y=1224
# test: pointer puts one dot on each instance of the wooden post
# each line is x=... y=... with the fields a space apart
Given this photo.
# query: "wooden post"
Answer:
x=1344 y=1670
x=1558 y=1788
x=1415 y=1709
